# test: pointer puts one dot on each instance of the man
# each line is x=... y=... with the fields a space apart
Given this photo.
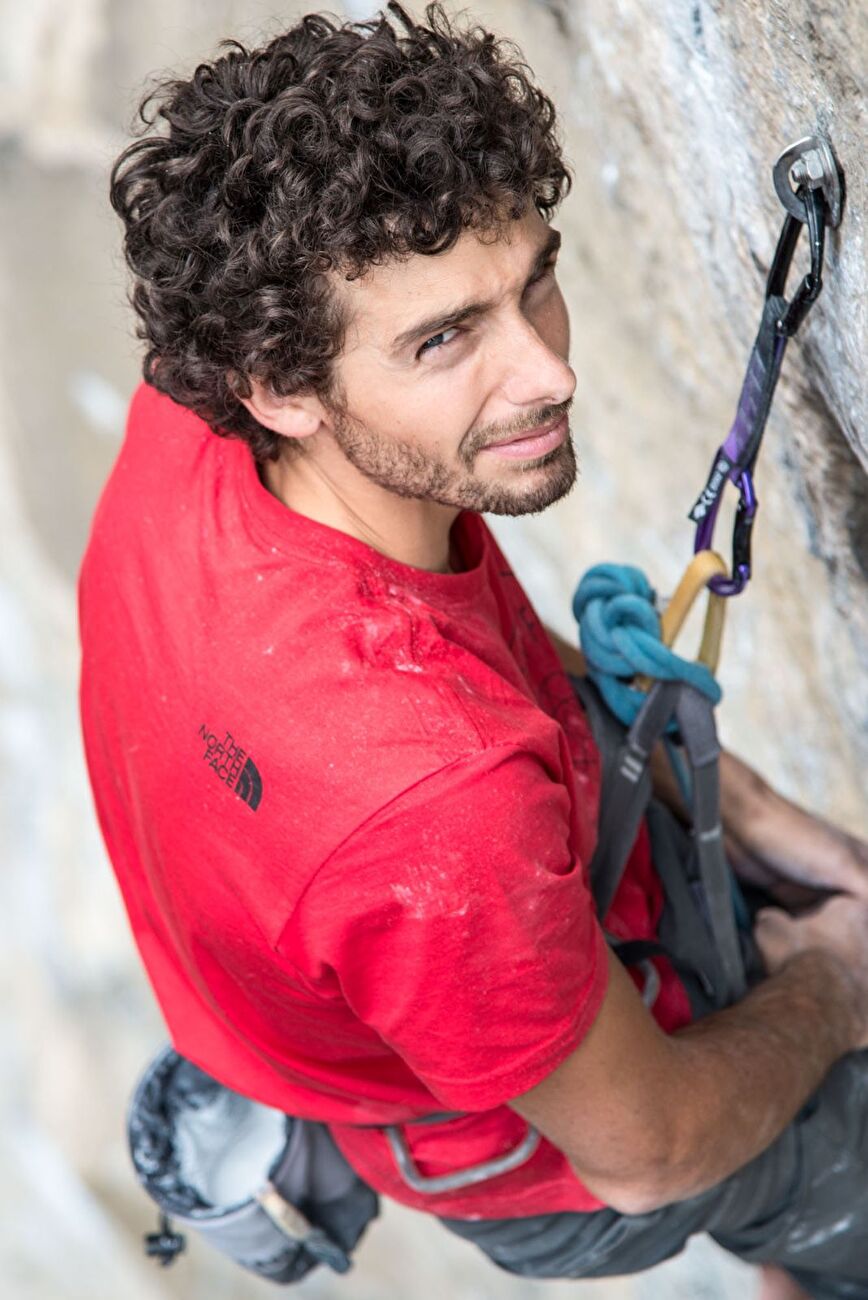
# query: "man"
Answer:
x=347 y=789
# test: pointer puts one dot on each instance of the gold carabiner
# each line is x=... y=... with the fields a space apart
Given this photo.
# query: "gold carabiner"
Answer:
x=703 y=566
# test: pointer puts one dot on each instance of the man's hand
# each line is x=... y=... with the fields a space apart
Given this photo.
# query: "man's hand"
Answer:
x=838 y=927
x=795 y=856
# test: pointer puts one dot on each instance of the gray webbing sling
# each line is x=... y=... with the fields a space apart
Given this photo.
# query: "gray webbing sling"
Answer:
x=702 y=905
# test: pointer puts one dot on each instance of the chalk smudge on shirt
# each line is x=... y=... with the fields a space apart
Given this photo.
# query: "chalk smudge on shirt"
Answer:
x=426 y=899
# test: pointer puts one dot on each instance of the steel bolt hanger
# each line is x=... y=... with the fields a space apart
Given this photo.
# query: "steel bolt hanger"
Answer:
x=809 y=164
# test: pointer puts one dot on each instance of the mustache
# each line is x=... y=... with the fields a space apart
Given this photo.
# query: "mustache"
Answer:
x=491 y=433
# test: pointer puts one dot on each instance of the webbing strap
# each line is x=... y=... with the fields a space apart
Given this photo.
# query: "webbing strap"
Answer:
x=742 y=443
x=683 y=932
x=297 y=1229
x=625 y=798
x=607 y=731
x=699 y=736
x=626 y=793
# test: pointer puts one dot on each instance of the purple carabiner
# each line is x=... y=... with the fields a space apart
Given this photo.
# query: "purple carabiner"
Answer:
x=741 y=535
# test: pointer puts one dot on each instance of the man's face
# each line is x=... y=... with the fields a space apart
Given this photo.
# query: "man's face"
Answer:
x=454 y=383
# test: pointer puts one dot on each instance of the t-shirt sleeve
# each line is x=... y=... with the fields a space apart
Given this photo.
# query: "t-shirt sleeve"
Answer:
x=458 y=924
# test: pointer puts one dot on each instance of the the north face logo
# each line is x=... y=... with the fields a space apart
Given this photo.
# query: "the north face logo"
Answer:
x=232 y=765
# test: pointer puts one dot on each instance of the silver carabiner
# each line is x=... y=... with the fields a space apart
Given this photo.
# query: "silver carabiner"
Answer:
x=467 y=1177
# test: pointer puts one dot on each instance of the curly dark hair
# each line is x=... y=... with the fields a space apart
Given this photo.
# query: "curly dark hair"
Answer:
x=334 y=147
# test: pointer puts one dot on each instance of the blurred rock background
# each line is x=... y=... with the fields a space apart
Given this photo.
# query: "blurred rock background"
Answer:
x=673 y=113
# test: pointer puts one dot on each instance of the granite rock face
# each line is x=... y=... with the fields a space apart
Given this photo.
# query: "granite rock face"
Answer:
x=673 y=114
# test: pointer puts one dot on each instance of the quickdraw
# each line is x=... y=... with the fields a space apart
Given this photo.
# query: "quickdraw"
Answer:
x=816 y=202
x=627 y=641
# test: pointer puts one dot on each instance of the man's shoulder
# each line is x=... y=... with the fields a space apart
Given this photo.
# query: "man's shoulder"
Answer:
x=150 y=487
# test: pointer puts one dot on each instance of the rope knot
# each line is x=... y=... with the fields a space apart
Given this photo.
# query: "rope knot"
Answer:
x=619 y=630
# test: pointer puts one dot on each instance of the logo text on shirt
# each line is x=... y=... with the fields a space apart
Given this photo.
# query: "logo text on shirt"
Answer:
x=233 y=766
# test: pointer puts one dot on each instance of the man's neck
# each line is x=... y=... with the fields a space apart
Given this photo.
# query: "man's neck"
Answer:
x=411 y=531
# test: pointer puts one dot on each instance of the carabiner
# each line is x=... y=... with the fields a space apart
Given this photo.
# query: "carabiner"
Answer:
x=808 y=291
x=741 y=535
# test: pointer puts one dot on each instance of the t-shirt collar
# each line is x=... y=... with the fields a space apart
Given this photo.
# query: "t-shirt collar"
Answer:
x=281 y=528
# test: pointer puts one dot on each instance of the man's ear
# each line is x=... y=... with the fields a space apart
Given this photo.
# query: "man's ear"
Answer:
x=296 y=416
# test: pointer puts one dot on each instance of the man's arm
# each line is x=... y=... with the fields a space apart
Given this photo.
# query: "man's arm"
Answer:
x=647 y=1119
x=794 y=855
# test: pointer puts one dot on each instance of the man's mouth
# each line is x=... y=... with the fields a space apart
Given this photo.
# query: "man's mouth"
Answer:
x=529 y=446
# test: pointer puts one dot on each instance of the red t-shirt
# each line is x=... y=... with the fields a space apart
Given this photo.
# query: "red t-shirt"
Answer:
x=350 y=805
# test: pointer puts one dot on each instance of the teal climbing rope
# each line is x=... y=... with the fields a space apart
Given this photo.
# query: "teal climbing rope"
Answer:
x=619 y=629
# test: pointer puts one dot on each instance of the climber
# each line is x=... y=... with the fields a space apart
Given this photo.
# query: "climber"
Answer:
x=342 y=774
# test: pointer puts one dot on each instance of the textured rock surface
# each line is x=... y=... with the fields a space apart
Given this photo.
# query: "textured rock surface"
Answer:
x=673 y=115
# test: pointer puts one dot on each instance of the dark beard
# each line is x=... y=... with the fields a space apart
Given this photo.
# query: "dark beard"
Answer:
x=408 y=471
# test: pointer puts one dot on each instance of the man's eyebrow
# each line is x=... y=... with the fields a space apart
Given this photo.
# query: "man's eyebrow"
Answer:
x=463 y=311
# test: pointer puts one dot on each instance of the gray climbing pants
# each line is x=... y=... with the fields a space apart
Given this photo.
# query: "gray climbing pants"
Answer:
x=802 y=1204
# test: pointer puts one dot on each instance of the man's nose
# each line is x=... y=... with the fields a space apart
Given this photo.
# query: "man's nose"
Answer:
x=535 y=374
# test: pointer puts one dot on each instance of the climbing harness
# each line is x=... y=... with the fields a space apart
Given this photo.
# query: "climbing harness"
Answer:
x=200 y=1149
x=816 y=203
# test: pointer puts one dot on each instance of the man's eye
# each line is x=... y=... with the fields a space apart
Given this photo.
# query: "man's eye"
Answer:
x=436 y=340
x=547 y=273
